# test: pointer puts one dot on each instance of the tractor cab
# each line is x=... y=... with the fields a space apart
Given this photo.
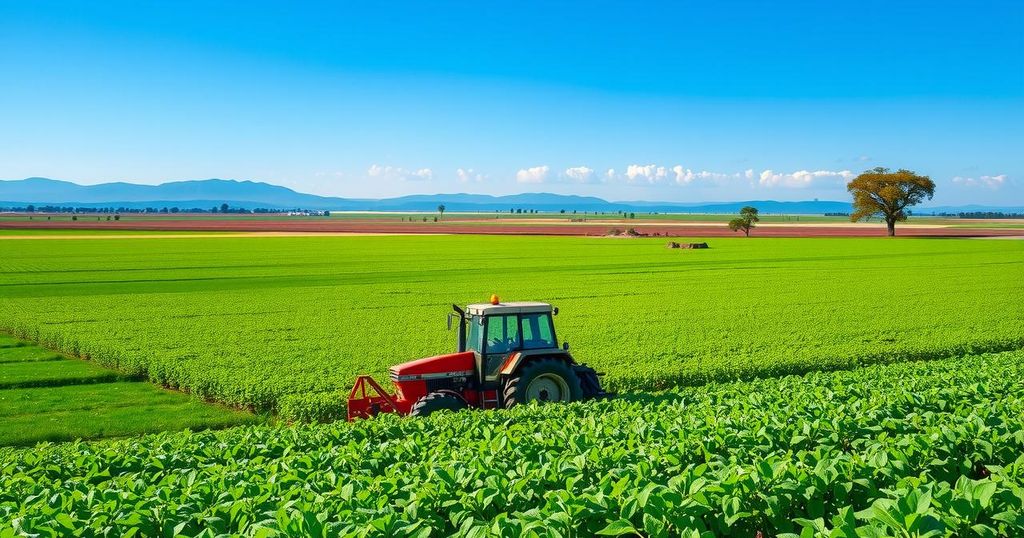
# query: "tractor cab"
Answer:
x=496 y=332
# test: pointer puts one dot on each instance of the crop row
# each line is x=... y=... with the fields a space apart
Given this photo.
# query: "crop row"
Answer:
x=284 y=324
x=914 y=449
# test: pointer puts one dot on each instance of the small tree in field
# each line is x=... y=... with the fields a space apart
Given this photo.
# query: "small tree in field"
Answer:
x=440 y=209
x=748 y=216
x=888 y=195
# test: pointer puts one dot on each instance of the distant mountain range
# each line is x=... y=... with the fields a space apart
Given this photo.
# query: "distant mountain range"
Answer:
x=249 y=194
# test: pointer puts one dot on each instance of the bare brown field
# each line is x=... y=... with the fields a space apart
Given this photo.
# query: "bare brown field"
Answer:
x=540 y=226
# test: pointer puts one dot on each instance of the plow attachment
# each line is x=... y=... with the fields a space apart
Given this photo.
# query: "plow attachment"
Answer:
x=368 y=399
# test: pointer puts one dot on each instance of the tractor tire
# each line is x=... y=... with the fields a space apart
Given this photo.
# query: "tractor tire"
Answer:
x=441 y=400
x=589 y=382
x=543 y=380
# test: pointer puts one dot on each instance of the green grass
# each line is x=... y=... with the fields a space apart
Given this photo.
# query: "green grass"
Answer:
x=264 y=322
x=54 y=373
x=9 y=341
x=914 y=449
x=26 y=353
x=47 y=397
x=117 y=409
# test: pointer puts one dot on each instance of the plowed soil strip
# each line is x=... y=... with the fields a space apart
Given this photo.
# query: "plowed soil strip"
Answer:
x=370 y=227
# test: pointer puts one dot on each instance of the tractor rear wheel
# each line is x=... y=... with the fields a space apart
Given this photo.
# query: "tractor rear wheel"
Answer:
x=543 y=380
x=590 y=382
x=438 y=401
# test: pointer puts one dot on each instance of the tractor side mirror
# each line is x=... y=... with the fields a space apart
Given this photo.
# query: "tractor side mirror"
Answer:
x=555 y=311
x=565 y=346
x=458 y=313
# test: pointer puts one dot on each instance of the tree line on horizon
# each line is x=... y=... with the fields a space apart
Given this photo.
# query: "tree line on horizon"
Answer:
x=223 y=208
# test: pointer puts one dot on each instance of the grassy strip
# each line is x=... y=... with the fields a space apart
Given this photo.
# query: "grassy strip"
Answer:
x=26 y=353
x=55 y=373
x=47 y=397
x=89 y=398
x=33 y=415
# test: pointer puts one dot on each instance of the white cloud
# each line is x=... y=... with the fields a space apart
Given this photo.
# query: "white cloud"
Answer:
x=654 y=174
x=397 y=172
x=468 y=175
x=682 y=176
x=646 y=173
x=579 y=174
x=992 y=182
x=543 y=174
x=537 y=174
x=685 y=176
x=803 y=178
x=423 y=173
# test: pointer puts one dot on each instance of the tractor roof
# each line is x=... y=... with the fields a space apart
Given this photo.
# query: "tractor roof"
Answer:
x=487 y=309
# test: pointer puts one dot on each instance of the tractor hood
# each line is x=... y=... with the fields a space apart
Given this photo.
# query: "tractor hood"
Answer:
x=451 y=365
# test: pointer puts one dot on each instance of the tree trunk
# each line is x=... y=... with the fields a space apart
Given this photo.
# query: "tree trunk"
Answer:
x=891 y=224
x=747 y=231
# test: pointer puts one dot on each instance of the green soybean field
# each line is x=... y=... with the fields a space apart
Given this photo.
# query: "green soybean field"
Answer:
x=910 y=449
x=283 y=324
x=767 y=387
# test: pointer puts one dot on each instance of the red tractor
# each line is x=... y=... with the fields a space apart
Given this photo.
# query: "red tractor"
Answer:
x=507 y=355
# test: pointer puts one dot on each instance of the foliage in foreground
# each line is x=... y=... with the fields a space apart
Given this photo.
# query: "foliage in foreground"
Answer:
x=914 y=449
x=279 y=324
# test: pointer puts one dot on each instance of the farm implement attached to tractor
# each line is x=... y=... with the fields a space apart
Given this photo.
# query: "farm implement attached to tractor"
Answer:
x=507 y=355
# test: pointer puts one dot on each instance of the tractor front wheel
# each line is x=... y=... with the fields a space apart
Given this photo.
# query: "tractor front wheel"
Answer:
x=544 y=380
x=438 y=401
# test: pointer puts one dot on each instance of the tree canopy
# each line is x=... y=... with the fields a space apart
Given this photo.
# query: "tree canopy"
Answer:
x=748 y=216
x=888 y=195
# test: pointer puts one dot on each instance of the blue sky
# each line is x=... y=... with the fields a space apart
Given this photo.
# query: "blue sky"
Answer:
x=681 y=101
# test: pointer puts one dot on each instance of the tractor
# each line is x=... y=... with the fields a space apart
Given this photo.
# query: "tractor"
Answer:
x=508 y=354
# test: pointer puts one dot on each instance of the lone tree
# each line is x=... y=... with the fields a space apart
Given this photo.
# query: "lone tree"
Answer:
x=886 y=194
x=440 y=209
x=748 y=216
